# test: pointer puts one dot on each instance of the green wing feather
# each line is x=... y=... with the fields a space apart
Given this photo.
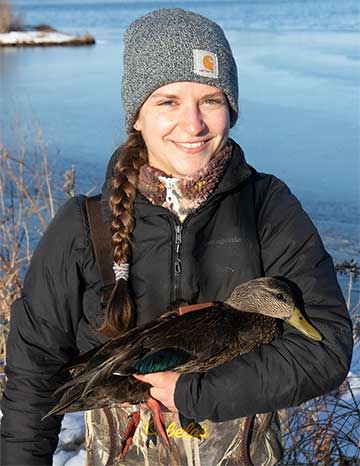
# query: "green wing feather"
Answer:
x=162 y=360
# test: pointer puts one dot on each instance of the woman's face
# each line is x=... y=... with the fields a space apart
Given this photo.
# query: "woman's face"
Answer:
x=183 y=124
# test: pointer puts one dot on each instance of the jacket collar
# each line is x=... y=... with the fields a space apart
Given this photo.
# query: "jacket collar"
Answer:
x=236 y=172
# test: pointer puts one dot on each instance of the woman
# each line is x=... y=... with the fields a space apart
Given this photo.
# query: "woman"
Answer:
x=190 y=220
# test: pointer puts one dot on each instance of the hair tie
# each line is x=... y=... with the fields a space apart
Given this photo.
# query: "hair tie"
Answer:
x=121 y=271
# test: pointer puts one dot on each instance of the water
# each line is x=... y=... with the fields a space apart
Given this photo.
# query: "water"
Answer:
x=270 y=15
x=298 y=65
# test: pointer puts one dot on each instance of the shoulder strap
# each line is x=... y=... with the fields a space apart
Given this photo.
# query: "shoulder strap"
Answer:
x=101 y=237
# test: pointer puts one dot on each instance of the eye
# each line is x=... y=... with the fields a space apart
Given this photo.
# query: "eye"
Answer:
x=280 y=297
x=211 y=101
x=166 y=103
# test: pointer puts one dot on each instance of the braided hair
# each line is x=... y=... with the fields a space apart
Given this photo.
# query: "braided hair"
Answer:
x=119 y=314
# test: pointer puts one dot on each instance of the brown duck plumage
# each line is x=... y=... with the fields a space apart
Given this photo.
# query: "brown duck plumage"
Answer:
x=193 y=342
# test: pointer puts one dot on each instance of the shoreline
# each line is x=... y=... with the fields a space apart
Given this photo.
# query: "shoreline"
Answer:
x=38 y=38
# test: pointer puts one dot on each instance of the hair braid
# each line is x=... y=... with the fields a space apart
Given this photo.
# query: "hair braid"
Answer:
x=119 y=315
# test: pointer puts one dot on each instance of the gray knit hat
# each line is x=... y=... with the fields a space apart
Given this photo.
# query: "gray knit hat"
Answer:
x=171 y=45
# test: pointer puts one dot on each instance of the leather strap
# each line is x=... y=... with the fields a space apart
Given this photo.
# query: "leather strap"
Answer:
x=194 y=307
x=101 y=238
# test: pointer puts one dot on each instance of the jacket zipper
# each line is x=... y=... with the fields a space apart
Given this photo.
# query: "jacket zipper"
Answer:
x=177 y=265
x=177 y=261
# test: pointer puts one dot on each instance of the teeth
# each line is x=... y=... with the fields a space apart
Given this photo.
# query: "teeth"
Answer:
x=191 y=145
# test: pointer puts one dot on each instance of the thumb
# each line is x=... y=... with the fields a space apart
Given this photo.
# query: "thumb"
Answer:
x=144 y=378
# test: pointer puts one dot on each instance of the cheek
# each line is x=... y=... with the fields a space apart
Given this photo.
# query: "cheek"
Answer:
x=223 y=123
x=164 y=124
x=157 y=126
x=219 y=123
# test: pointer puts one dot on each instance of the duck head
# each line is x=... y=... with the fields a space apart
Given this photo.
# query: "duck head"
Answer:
x=274 y=298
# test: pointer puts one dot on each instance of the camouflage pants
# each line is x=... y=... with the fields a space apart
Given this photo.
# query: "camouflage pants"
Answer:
x=215 y=444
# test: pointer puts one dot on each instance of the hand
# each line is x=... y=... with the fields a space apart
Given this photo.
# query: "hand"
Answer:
x=163 y=387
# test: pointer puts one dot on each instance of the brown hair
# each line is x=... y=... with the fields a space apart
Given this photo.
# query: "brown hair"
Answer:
x=119 y=314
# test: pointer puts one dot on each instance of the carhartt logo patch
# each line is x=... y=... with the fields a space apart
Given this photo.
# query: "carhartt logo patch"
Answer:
x=206 y=63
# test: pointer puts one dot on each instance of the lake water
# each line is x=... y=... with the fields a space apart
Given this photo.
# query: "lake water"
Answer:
x=299 y=69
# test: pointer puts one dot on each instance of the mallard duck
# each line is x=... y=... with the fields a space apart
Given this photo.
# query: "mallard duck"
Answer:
x=182 y=341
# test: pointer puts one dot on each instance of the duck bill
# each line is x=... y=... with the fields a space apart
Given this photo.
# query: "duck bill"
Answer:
x=298 y=321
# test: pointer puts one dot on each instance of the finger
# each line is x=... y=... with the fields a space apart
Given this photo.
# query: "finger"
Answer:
x=156 y=393
x=156 y=377
x=143 y=378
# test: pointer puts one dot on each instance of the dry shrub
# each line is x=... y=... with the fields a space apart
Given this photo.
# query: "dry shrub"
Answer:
x=9 y=21
x=28 y=201
x=326 y=430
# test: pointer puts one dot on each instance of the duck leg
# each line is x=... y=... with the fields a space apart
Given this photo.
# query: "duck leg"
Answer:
x=158 y=420
x=134 y=419
x=133 y=422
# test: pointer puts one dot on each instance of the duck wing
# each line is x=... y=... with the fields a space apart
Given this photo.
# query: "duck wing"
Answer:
x=115 y=390
x=193 y=342
x=96 y=356
x=78 y=365
x=196 y=341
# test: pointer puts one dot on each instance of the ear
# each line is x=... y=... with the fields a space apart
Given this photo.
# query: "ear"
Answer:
x=137 y=125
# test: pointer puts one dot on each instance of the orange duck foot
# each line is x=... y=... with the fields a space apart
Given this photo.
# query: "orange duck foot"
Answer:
x=158 y=420
x=134 y=419
x=133 y=422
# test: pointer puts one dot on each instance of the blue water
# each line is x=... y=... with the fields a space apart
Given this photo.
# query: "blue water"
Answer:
x=269 y=15
x=299 y=69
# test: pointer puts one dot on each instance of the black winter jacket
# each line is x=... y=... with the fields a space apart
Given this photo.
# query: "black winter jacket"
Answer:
x=250 y=226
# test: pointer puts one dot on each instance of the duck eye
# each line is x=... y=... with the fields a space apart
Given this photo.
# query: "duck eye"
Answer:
x=280 y=297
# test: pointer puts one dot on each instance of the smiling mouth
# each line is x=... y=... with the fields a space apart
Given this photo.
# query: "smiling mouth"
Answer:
x=191 y=145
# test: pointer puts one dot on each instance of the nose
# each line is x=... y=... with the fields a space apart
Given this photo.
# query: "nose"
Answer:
x=192 y=120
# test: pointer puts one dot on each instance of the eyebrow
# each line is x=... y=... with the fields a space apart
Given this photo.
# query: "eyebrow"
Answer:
x=168 y=96
x=174 y=96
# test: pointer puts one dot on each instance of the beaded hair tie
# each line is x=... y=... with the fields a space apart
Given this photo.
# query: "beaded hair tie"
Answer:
x=121 y=271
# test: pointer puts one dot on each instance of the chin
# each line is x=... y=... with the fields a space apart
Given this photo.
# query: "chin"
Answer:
x=193 y=168
x=189 y=171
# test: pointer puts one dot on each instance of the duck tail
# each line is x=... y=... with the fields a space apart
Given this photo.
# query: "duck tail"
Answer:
x=70 y=402
x=78 y=365
x=78 y=381
x=118 y=364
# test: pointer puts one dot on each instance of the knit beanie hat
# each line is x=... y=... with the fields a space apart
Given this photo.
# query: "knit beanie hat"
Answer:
x=171 y=45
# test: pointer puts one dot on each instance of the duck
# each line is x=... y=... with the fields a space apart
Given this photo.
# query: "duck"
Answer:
x=179 y=341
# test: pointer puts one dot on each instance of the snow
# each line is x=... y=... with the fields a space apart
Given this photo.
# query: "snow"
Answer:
x=354 y=382
x=63 y=457
x=72 y=428
x=70 y=450
x=77 y=460
x=36 y=37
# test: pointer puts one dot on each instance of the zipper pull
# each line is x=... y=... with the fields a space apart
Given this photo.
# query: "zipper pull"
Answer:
x=177 y=266
x=178 y=238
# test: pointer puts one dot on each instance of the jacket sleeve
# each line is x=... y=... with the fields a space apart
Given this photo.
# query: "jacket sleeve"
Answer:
x=293 y=368
x=42 y=338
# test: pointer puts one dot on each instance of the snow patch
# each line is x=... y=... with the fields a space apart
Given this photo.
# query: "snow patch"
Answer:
x=72 y=428
x=77 y=460
x=354 y=382
x=41 y=38
x=62 y=457
x=70 y=449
